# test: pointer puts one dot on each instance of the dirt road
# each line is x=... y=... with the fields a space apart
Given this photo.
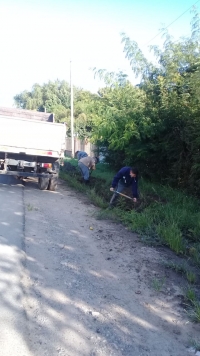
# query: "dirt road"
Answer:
x=72 y=285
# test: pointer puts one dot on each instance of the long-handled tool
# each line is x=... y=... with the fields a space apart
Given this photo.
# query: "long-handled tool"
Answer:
x=123 y=195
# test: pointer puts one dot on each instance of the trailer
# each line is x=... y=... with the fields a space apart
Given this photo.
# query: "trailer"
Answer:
x=31 y=145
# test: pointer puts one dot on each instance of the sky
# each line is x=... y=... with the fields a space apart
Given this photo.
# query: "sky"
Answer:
x=39 y=38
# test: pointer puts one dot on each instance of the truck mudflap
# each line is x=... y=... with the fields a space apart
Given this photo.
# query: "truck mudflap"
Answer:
x=29 y=174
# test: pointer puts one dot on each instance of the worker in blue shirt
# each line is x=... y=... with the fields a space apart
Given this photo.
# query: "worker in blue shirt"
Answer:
x=80 y=154
x=126 y=177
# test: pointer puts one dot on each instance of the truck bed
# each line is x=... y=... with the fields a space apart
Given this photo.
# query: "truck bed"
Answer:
x=27 y=114
x=31 y=137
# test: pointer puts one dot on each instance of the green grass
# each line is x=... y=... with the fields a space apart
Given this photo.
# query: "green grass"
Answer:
x=191 y=277
x=194 y=311
x=97 y=200
x=162 y=216
x=172 y=236
x=190 y=294
x=195 y=344
x=72 y=161
x=73 y=182
x=193 y=305
x=162 y=213
x=91 y=193
x=183 y=269
x=177 y=267
x=157 y=284
x=30 y=207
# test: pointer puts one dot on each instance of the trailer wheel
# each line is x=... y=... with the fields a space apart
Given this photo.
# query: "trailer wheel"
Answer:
x=53 y=182
x=43 y=183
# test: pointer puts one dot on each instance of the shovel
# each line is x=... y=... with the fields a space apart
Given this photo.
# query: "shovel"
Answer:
x=123 y=195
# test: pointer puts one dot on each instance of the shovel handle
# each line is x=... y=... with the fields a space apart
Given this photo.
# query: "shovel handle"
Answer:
x=123 y=195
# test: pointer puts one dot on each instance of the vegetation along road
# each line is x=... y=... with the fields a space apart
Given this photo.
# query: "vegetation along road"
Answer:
x=73 y=285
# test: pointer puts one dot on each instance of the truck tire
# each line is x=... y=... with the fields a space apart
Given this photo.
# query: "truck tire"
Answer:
x=43 y=183
x=53 y=182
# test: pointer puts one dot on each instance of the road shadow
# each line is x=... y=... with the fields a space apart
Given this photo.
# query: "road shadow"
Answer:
x=10 y=180
x=80 y=285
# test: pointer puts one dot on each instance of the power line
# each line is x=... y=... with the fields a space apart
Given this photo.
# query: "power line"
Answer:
x=172 y=22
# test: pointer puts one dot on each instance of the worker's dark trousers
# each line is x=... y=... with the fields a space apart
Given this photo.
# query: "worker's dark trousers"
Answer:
x=120 y=187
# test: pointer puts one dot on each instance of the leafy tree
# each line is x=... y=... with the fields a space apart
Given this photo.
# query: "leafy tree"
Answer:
x=155 y=125
x=55 y=97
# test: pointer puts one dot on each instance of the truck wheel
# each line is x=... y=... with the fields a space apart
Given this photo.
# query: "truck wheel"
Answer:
x=43 y=183
x=53 y=182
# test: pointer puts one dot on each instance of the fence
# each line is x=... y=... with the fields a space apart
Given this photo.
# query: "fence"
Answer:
x=79 y=145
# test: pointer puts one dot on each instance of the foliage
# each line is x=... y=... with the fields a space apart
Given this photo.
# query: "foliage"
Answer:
x=55 y=97
x=157 y=284
x=155 y=125
x=172 y=236
x=195 y=344
x=191 y=277
x=194 y=312
x=47 y=96
x=190 y=294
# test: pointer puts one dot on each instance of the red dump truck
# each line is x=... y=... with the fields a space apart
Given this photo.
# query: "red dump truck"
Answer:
x=31 y=145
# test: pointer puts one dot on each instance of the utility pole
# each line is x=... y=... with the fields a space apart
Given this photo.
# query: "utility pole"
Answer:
x=72 y=110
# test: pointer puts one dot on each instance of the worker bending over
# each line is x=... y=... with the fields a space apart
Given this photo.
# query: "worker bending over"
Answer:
x=86 y=164
x=80 y=154
x=126 y=177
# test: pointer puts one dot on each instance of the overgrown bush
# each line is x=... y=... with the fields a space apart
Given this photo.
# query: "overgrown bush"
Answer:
x=155 y=125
